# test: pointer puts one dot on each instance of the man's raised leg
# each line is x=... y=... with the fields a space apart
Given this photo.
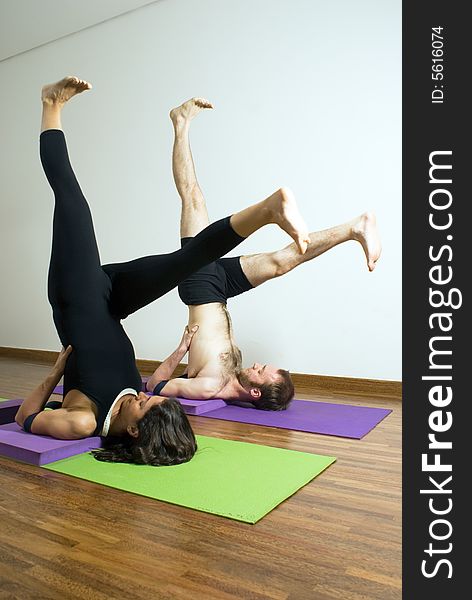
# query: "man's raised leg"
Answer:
x=260 y=268
x=194 y=215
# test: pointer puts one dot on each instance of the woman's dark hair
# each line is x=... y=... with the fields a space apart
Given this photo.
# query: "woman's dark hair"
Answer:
x=165 y=437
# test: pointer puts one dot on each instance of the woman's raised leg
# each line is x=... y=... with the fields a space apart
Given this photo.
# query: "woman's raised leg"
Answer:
x=75 y=274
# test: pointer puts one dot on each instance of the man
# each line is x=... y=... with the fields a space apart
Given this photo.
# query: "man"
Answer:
x=215 y=362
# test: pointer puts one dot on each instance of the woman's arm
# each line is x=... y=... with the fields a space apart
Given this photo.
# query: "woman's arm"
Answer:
x=65 y=424
x=168 y=366
x=36 y=400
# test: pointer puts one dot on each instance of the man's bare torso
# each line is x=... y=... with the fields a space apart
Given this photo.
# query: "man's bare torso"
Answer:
x=212 y=353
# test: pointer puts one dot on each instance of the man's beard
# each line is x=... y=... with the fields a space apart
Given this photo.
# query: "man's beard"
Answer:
x=244 y=380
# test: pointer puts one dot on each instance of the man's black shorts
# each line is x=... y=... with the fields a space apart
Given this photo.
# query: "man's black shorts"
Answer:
x=216 y=282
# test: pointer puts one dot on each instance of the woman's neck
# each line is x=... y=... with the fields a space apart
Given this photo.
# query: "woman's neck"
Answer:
x=117 y=426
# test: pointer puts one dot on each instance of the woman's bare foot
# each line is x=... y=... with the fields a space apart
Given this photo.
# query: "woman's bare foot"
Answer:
x=364 y=230
x=188 y=110
x=63 y=90
x=287 y=216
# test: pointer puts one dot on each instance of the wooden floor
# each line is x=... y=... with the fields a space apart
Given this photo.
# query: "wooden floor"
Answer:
x=339 y=537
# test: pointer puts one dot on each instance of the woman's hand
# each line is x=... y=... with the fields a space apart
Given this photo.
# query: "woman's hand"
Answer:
x=60 y=364
x=187 y=337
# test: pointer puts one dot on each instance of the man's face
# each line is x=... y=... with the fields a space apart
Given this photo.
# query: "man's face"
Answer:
x=260 y=374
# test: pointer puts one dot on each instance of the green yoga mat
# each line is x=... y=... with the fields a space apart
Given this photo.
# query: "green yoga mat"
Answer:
x=232 y=479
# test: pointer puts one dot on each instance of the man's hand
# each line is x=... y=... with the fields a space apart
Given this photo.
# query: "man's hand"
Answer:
x=187 y=337
x=60 y=365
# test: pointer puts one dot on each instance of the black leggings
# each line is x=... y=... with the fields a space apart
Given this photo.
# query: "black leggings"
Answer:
x=89 y=300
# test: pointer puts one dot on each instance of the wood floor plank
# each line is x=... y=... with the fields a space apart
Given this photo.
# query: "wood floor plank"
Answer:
x=339 y=537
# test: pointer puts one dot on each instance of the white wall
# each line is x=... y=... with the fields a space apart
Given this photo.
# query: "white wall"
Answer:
x=307 y=94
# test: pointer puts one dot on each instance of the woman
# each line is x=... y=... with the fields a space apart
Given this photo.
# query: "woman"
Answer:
x=101 y=381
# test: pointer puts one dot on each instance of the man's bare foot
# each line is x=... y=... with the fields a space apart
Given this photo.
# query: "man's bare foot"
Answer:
x=63 y=90
x=188 y=110
x=364 y=230
x=287 y=216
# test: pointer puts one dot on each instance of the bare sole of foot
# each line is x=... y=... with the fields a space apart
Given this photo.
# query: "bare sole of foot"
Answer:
x=365 y=231
x=63 y=90
x=288 y=217
x=188 y=110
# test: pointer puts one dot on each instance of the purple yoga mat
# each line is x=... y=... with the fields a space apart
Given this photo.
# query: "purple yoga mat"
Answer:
x=40 y=449
x=8 y=410
x=199 y=407
x=343 y=420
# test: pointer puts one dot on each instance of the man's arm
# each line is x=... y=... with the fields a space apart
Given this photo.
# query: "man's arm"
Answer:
x=198 y=388
x=36 y=400
x=167 y=367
